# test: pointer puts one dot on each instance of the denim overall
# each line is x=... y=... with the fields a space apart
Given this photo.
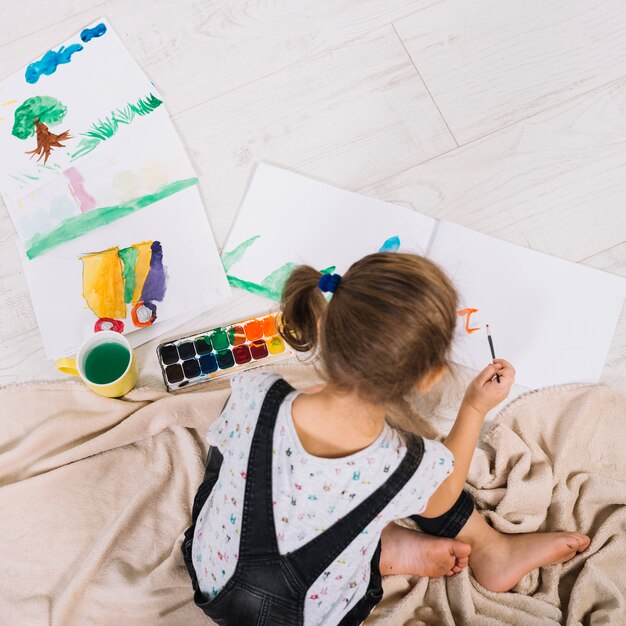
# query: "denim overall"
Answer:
x=267 y=588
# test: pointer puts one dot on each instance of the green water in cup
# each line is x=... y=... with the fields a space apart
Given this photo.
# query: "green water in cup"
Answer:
x=106 y=362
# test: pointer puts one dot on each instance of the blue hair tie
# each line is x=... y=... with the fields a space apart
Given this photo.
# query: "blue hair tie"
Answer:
x=329 y=282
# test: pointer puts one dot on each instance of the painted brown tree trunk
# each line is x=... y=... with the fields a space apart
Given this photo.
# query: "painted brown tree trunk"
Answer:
x=47 y=140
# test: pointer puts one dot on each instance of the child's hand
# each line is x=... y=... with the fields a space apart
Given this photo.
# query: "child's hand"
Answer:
x=485 y=392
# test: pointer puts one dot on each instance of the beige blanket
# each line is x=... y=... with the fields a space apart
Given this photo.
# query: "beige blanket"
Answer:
x=95 y=495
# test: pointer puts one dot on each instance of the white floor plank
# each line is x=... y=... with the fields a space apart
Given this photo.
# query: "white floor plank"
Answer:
x=196 y=49
x=489 y=63
x=555 y=182
x=36 y=17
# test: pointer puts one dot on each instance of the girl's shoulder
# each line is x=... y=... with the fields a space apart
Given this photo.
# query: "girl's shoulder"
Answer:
x=435 y=457
x=436 y=453
x=239 y=415
x=432 y=448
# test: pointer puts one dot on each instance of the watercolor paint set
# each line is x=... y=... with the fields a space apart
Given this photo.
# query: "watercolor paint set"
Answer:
x=221 y=351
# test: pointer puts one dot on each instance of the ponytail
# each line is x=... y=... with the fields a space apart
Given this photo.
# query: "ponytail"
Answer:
x=302 y=305
x=390 y=322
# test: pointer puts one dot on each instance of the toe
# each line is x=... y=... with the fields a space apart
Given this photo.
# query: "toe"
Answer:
x=578 y=541
x=460 y=550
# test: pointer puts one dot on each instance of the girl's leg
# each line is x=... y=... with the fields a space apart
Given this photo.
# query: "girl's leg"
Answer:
x=499 y=561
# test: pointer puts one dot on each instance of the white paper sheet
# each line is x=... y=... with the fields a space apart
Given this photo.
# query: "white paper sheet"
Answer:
x=553 y=319
x=196 y=279
x=299 y=220
x=96 y=83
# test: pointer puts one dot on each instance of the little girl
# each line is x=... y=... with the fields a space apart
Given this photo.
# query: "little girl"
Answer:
x=294 y=522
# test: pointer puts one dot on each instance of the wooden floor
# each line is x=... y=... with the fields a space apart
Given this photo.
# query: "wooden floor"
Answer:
x=507 y=117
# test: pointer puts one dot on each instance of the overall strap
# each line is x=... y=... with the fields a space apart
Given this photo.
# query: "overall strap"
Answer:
x=258 y=533
x=310 y=560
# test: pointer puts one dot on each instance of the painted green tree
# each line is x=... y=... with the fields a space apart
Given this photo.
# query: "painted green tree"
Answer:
x=33 y=117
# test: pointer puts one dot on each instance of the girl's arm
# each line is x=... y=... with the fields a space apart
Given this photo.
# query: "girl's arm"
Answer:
x=482 y=394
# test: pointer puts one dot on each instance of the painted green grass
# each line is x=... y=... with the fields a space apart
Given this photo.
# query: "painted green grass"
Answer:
x=234 y=256
x=27 y=179
x=78 y=225
x=105 y=128
x=129 y=259
x=272 y=285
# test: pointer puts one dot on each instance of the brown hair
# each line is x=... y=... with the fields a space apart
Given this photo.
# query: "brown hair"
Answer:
x=389 y=323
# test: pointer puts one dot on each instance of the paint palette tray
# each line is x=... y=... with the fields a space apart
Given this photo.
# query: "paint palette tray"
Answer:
x=221 y=351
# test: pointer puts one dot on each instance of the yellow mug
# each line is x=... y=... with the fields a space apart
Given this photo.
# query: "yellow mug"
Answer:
x=106 y=363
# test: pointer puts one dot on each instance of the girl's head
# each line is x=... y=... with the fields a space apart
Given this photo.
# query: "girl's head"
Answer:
x=388 y=326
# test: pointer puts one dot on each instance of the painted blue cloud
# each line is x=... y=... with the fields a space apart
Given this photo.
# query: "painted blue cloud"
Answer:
x=89 y=33
x=50 y=61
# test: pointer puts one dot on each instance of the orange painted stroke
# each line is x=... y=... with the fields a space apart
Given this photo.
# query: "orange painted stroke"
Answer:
x=468 y=312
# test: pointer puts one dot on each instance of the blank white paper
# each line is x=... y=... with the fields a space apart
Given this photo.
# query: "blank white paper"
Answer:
x=552 y=319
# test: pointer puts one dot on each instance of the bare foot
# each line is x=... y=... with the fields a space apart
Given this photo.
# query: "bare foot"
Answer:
x=406 y=551
x=501 y=563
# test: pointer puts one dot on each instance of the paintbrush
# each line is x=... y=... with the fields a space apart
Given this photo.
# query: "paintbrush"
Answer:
x=493 y=354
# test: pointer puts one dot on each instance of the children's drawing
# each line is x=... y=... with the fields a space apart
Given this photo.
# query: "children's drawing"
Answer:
x=60 y=195
x=467 y=313
x=34 y=116
x=270 y=287
x=288 y=220
x=115 y=278
x=48 y=64
x=140 y=167
x=77 y=225
x=76 y=98
x=273 y=284
x=141 y=276
x=105 y=128
x=135 y=185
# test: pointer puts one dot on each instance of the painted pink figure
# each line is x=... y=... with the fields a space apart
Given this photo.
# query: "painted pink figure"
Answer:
x=76 y=183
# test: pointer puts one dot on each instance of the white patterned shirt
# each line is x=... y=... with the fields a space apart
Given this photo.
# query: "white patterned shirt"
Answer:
x=310 y=494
